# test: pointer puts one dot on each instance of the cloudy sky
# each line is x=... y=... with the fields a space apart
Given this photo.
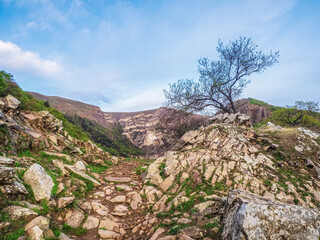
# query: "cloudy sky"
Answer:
x=120 y=54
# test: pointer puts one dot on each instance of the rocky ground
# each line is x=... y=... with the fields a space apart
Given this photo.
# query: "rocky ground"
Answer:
x=223 y=181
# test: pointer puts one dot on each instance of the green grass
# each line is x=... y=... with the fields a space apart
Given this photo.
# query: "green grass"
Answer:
x=14 y=235
x=79 y=231
x=174 y=230
x=267 y=183
x=97 y=168
x=139 y=170
x=161 y=168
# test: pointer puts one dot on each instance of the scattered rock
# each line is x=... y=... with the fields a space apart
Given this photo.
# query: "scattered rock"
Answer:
x=65 y=201
x=99 y=208
x=74 y=218
x=157 y=233
x=118 y=199
x=119 y=179
x=120 y=210
x=35 y=233
x=41 y=222
x=79 y=172
x=106 y=234
x=91 y=222
x=108 y=224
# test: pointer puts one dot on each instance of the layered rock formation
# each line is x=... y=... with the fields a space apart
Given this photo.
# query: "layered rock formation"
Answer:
x=206 y=163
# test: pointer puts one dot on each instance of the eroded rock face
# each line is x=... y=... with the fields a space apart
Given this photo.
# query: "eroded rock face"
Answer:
x=247 y=216
x=40 y=182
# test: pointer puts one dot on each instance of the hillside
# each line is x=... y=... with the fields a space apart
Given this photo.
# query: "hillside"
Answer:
x=153 y=131
x=60 y=187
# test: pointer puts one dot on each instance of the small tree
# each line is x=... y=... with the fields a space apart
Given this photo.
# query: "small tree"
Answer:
x=300 y=114
x=221 y=81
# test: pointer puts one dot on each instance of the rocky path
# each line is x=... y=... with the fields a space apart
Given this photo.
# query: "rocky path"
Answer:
x=115 y=209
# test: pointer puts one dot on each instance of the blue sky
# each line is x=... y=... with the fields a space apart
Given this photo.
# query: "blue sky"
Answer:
x=120 y=55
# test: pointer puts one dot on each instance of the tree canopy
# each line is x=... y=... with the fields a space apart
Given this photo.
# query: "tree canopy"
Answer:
x=221 y=81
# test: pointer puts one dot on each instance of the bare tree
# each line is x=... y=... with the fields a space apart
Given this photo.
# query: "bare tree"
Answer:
x=221 y=81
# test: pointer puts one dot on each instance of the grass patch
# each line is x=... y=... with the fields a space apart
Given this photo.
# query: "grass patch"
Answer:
x=79 y=231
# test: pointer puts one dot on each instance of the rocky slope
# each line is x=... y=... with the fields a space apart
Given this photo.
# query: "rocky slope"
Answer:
x=282 y=165
x=222 y=181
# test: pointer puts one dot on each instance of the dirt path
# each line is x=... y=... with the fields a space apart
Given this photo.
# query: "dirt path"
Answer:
x=118 y=207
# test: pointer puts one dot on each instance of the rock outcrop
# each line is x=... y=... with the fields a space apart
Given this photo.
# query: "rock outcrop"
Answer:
x=228 y=154
x=247 y=216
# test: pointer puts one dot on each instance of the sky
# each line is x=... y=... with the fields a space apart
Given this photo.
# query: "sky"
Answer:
x=120 y=55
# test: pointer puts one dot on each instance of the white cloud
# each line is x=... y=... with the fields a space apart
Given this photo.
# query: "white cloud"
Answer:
x=14 y=59
x=136 y=101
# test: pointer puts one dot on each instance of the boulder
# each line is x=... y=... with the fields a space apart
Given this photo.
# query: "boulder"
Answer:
x=91 y=222
x=65 y=201
x=35 y=233
x=11 y=103
x=248 y=216
x=40 y=182
x=75 y=218
x=41 y=222
x=17 y=212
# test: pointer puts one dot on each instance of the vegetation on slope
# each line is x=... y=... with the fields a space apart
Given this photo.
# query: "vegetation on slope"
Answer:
x=29 y=103
x=301 y=114
x=112 y=140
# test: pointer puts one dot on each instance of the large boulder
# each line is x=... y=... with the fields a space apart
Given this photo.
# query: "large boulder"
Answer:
x=248 y=216
x=11 y=103
x=40 y=182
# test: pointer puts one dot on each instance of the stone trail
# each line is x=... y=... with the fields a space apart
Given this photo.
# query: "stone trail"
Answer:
x=115 y=209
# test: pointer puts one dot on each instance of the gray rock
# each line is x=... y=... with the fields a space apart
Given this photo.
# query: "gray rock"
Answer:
x=248 y=216
x=65 y=201
x=14 y=188
x=194 y=232
x=41 y=222
x=6 y=161
x=10 y=102
x=40 y=182
x=75 y=218
x=17 y=212
x=7 y=174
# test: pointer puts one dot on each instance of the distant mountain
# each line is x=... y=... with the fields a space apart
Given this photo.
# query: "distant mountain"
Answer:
x=153 y=131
